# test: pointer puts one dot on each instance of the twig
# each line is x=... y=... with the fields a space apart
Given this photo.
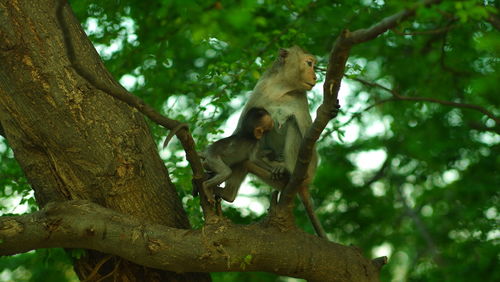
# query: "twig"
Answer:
x=173 y=132
x=379 y=262
x=357 y=114
x=482 y=127
x=425 y=32
x=380 y=173
x=422 y=229
x=387 y=23
x=113 y=272
x=397 y=96
x=97 y=267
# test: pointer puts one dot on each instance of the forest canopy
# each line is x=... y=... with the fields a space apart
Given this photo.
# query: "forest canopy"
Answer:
x=409 y=169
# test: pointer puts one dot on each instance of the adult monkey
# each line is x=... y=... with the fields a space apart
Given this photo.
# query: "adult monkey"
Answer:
x=282 y=92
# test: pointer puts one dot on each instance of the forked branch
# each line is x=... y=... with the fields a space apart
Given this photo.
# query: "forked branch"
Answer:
x=336 y=66
x=114 y=89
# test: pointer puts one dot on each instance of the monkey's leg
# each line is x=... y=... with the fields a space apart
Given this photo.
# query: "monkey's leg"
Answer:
x=233 y=183
x=218 y=178
x=265 y=174
x=278 y=170
x=306 y=200
x=222 y=172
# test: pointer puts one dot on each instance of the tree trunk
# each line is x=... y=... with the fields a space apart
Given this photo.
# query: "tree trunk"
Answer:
x=74 y=141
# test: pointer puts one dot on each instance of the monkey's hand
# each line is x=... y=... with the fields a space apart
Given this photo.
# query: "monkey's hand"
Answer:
x=279 y=172
x=335 y=110
x=280 y=158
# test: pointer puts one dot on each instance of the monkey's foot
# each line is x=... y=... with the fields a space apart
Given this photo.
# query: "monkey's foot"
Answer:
x=223 y=193
x=279 y=172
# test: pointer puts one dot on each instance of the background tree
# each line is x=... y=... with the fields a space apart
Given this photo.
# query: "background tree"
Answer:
x=408 y=168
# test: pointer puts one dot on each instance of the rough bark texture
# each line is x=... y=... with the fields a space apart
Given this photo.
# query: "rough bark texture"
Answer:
x=73 y=141
x=216 y=247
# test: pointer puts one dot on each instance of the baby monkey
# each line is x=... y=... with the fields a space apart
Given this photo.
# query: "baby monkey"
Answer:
x=240 y=147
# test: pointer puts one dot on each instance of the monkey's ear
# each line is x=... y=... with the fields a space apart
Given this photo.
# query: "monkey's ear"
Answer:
x=258 y=132
x=283 y=53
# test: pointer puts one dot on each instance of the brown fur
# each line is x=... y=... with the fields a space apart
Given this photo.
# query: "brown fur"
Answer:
x=282 y=92
x=226 y=153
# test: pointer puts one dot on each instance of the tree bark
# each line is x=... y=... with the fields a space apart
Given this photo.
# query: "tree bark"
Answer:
x=74 y=141
x=219 y=246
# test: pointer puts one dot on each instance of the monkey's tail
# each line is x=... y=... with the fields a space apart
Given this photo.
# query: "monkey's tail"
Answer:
x=306 y=201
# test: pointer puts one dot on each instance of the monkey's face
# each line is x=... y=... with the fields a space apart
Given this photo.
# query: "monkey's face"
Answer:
x=297 y=68
x=308 y=76
x=265 y=125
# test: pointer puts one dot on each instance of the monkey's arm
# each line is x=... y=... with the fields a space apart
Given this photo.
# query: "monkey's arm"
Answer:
x=277 y=169
x=335 y=111
x=266 y=175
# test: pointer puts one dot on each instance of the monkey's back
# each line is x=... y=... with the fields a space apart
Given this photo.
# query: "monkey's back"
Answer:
x=232 y=150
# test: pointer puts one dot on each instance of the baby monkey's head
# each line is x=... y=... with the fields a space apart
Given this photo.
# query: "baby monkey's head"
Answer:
x=257 y=122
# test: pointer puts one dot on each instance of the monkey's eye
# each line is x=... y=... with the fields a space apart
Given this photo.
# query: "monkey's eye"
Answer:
x=309 y=63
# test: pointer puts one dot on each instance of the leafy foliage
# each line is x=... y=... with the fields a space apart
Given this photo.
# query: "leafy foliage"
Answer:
x=417 y=181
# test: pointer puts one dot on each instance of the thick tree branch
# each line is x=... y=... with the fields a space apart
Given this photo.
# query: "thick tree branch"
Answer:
x=217 y=247
x=336 y=66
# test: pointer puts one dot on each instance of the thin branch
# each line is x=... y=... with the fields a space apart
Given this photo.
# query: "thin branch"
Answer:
x=379 y=262
x=357 y=114
x=398 y=96
x=380 y=172
x=117 y=91
x=334 y=74
x=422 y=229
x=98 y=266
x=363 y=35
x=482 y=127
x=113 y=272
x=425 y=32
